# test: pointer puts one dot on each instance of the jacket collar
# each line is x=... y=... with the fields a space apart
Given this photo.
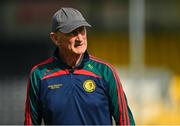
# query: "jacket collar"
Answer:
x=84 y=59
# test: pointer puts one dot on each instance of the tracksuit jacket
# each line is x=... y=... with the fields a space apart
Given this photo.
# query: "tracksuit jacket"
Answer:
x=89 y=94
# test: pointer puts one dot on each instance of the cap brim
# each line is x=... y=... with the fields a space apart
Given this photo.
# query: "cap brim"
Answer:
x=73 y=25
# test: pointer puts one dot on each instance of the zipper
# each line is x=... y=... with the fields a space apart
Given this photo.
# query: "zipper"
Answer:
x=71 y=71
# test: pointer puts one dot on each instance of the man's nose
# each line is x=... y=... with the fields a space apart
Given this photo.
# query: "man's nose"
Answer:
x=79 y=37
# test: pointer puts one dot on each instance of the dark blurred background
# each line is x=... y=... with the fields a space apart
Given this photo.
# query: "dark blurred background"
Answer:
x=141 y=38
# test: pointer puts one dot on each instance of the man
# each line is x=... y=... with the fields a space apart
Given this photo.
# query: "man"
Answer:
x=73 y=87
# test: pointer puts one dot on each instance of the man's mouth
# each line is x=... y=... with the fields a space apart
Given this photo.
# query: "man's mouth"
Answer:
x=76 y=45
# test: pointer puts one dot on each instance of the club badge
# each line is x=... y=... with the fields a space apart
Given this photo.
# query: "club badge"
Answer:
x=89 y=85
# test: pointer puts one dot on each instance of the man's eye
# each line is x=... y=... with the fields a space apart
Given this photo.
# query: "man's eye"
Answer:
x=81 y=30
x=74 y=32
x=69 y=34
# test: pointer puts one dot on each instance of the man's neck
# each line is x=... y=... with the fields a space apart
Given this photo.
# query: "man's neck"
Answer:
x=72 y=60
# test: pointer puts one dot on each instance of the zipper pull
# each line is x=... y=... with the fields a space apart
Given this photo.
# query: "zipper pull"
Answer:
x=71 y=70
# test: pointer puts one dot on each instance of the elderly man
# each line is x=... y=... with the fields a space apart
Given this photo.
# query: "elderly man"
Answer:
x=73 y=87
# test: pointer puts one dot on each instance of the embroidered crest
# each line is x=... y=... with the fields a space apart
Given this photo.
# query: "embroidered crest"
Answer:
x=89 y=85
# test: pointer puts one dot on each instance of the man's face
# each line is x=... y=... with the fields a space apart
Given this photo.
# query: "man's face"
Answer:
x=74 y=42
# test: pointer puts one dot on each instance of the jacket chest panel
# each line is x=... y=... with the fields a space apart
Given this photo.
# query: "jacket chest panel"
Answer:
x=67 y=91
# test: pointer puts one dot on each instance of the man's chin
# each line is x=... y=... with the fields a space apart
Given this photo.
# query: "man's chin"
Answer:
x=79 y=52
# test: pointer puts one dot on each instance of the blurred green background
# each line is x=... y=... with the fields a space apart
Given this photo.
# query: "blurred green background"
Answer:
x=141 y=38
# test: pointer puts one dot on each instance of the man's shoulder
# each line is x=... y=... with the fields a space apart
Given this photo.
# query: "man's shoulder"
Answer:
x=43 y=64
x=106 y=69
x=100 y=62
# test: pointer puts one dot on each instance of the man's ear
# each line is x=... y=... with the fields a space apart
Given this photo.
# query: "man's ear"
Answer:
x=54 y=37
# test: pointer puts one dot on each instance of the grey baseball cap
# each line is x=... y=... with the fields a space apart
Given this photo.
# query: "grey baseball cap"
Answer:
x=68 y=19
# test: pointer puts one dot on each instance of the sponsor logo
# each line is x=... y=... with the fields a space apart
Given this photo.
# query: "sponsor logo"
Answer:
x=90 y=66
x=89 y=85
x=55 y=86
